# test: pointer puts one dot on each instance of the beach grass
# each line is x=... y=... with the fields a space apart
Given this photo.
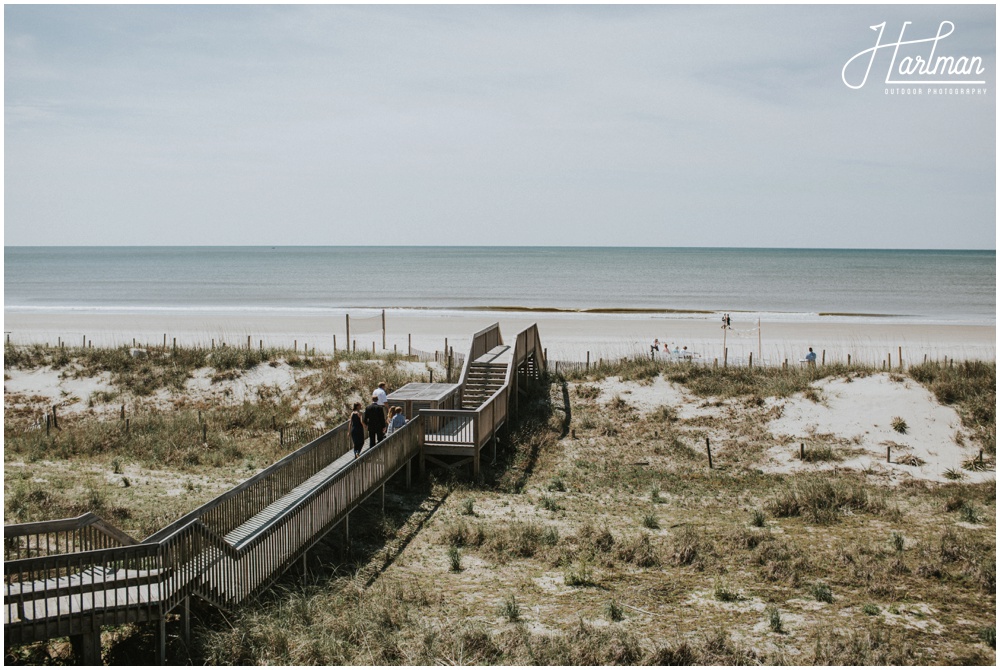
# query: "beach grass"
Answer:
x=593 y=546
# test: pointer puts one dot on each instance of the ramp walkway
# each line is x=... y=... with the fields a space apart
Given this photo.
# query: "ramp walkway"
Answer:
x=70 y=577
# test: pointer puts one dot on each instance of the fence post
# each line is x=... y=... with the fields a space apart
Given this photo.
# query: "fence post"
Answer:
x=588 y=362
x=55 y=417
x=708 y=448
x=348 y=317
x=409 y=344
x=383 y=329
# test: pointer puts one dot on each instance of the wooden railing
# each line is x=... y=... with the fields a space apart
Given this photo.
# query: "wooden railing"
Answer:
x=483 y=341
x=82 y=533
x=67 y=576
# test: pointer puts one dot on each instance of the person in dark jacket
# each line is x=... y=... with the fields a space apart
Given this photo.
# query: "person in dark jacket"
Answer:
x=357 y=429
x=375 y=421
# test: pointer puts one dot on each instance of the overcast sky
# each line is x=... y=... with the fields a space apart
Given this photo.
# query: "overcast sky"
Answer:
x=511 y=125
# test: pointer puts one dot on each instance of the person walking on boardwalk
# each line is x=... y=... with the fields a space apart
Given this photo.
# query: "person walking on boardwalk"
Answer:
x=379 y=395
x=375 y=421
x=357 y=429
x=397 y=421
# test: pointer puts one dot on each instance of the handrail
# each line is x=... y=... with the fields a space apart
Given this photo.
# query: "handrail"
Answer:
x=62 y=535
x=274 y=493
x=192 y=555
x=479 y=345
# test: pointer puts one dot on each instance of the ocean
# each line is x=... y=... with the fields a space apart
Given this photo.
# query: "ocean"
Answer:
x=953 y=287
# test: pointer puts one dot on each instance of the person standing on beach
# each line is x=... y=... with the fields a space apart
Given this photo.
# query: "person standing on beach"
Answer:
x=375 y=421
x=811 y=357
x=357 y=430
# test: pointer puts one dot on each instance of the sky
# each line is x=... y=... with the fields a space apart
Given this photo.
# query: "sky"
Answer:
x=651 y=125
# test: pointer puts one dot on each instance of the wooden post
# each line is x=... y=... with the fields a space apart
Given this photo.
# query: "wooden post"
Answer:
x=432 y=376
x=295 y=346
x=335 y=344
x=127 y=426
x=48 y=420
x=588 y=361
x=751 y=360
x=383 y=329
x=409 y=344
x=890 y=361
x=802 y=451
x=848 y=360
x=281 y=436
x=90 y=344
x=204 y=433
x=164 y=341
x=822 y=360
x=248 y=343
x=900 y=351
x=354 y=344
x=888 y=453
x=420 y=437
x=725 y=357
x=262 y=345
x=213 y=343
x=760 y=353
x=84 y=345
x=123 y=411
x=545 y=354
x=348 y=317
x=708 y=448
x=373 y=347
x=55 y=417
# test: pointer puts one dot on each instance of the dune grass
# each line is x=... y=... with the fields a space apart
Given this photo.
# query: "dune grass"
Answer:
x=598 y=547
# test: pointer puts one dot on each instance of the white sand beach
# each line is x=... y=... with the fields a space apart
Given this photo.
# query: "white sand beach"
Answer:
x=567 y=336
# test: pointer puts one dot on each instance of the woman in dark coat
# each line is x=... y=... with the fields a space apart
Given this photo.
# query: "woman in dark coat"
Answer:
x=357 y=429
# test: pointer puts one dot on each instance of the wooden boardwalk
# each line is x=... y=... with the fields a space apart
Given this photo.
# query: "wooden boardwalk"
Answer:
x=70 y=577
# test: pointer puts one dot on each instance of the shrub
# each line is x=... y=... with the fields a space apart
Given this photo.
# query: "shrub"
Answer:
x=726 y=593
x=639 y=551
x=650 y=521
x=615 y=611
x=774 y=620
x=758 y=518
x=469 y=507
x=580 y=575
x=898 y=541
x=899 y=425
x=823 y=500
x=870 y=609
x=822 y=592
x=455 y=559
x=510 y=610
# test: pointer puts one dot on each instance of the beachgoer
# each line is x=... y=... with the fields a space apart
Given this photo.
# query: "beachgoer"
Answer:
x=655 y=346
x=397 y=421
x=375 y=422
x=729 y=322
x=357 y=429
x=724 y=324
x=383 y=399
x=811 y=357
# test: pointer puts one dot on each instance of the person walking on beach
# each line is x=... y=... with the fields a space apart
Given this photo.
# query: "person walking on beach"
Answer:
x=654 y=347
x=357 y=430
x=375 y=422
x=397 y=421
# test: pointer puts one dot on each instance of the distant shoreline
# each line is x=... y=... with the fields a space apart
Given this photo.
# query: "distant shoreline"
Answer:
x=568 y=335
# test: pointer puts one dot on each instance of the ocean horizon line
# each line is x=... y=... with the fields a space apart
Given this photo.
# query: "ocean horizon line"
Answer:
x=490 y=246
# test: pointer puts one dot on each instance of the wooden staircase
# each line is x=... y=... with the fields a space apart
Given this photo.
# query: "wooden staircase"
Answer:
x=482 y=381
